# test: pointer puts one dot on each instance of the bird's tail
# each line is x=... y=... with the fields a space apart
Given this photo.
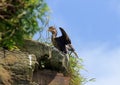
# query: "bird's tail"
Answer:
x=70 y=48
x=75 y=54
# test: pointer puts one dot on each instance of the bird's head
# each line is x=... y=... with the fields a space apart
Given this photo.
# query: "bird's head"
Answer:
x=52 y=30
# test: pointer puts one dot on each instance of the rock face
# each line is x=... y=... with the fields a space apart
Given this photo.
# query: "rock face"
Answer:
x=15 y=68
x=47 y=56
x=48 y=77
x=34 y=64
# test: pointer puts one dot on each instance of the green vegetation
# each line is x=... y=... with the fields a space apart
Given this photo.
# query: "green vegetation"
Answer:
x=74 y=71
x=19 y=19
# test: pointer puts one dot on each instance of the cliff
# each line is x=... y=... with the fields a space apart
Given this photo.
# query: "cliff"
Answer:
x=33 y=64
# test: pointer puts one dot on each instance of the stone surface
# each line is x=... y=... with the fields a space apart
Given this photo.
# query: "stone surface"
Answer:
x=47 y=56
x=15 y=68
x=48 y=77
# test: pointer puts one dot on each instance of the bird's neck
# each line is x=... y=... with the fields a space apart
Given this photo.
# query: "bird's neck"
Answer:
x=54 y=35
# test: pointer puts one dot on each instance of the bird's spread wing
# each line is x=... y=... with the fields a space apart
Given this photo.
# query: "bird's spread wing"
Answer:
x=65 y=37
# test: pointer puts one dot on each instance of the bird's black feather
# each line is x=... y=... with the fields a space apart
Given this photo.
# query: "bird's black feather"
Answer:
x=65 y=37
x=62 y=43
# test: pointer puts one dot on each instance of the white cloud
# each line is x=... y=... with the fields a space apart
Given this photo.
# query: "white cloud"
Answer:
x=103 y=64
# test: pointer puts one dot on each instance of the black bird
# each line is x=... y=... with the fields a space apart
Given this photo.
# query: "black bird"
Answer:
x=62 y=43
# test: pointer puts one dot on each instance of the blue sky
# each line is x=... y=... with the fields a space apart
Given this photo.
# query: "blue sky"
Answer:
x=94 y=28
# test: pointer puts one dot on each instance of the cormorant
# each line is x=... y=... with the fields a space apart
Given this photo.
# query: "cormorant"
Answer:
x=62 y=43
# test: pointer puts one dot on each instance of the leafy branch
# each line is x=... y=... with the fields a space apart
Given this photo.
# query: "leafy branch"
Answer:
x=19 y=20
